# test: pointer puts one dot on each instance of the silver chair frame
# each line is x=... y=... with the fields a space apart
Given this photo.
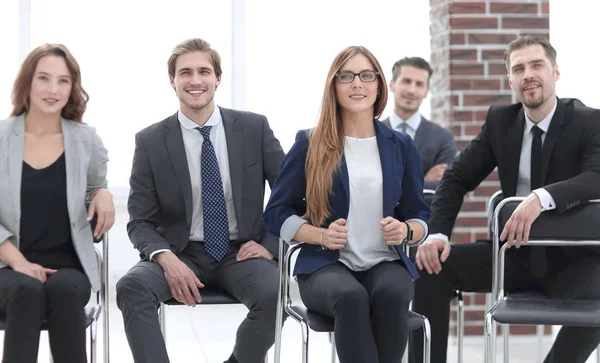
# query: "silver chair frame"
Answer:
x=499 y=258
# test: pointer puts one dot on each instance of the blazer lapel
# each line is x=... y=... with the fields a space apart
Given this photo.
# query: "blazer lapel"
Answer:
x=71 y=144
x=512 y=146
x=15 y=161
x=176 y=151
x=389 y=168
x=235 y=148
x=556 y=124
x=422 y=132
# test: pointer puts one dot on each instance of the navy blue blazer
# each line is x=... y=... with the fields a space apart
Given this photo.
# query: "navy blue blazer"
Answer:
x=402 y=193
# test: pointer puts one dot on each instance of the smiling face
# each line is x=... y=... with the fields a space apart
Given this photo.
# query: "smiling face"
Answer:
x=50 y=87
x=533 y=77
x=195 y=82
x=410 y=88
x=358 y=96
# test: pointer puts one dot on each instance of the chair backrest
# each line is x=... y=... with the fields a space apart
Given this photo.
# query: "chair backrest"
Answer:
x=580 y=223
x=428 y=194
x=493 y=202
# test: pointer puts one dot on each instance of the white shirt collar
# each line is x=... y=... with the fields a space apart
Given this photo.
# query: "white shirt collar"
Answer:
x=214 y=119
x=544 y=124
x=413 y=121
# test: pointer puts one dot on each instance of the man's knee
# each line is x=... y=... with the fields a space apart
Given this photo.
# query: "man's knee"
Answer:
x=130 y=289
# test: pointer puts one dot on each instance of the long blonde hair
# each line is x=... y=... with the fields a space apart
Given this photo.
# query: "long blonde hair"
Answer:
x=327 y=139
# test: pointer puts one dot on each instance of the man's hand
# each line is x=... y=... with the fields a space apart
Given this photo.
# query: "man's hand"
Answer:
x=336 y=236
x=394 y=231
x=251 y=249
x=34 y=270
x=102 y=205
x=517 y=228
x=436 y=172
x=182 y=281
x=429 y=257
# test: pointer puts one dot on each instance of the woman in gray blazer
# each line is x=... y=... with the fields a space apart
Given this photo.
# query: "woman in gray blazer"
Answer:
x=50 y=164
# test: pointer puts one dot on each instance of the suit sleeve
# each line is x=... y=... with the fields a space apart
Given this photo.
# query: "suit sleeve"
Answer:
x=272 y=157
x=447 y=152
x=143 y=205
x=465 y=173
x=96 y=174
x=585 y=186
x=290 y=188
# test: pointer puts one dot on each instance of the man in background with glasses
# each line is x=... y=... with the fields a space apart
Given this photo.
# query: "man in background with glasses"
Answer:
x=436 y=146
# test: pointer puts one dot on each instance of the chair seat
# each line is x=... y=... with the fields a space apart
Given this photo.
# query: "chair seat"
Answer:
x=538 y=309
x=320 y=323
x=91 y=314
x=210 y=297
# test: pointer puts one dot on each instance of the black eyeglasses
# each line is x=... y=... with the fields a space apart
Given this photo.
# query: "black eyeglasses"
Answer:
x=348 y=77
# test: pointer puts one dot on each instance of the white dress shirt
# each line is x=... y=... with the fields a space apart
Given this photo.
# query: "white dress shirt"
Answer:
x=193 y=140
x=412 y=123
x=524 y=177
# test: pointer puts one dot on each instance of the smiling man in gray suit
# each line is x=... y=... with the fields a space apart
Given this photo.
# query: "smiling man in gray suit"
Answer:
x=436 y=146
x=195 y=205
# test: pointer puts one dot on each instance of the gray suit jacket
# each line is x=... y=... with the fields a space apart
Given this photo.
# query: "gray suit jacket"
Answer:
x=85 y=158
x=160 y=199
x=435 y=145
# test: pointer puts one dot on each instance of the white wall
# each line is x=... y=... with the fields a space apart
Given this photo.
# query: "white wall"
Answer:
x=574 y=30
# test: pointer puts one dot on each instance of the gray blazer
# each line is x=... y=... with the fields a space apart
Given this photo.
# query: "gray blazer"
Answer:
x=435 y=145
x=160 y=199
x=85 y=158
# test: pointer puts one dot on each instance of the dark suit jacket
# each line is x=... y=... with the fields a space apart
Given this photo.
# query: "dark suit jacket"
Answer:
x=570 y=156
x=402 y=193
x=160 y=200
x=435 y=145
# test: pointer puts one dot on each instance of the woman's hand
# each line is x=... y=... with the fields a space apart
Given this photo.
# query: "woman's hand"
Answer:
x=394 y=231
x=336 y=236
x=34 y=270
x=102 y=205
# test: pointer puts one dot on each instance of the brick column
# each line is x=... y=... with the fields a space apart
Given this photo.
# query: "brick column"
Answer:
x=467 y=45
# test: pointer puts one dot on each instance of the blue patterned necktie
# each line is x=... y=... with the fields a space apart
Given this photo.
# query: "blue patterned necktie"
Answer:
x=403 y=127
x=216 y=225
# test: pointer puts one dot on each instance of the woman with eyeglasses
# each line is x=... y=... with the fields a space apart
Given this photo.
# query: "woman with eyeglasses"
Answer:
x=50 y=165
x=351 y=189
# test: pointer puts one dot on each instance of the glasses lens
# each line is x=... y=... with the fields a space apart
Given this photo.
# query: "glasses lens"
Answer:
x=345 y=77
x=367 y=76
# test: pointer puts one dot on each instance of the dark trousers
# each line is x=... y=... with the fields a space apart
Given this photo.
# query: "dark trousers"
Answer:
x=370 y=309
x=469 y=268
x=25 y=302
x=254 y=282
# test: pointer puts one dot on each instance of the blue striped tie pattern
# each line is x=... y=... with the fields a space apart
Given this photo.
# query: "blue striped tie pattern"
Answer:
x=216 y=225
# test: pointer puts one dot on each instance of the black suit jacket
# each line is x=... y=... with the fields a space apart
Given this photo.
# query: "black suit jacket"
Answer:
x=570 y=157
x=435 y=144
x=160 y=199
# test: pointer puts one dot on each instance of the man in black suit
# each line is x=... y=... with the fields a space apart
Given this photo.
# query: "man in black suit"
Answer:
x=546 y=150
x=436 y=146
x=195 y=206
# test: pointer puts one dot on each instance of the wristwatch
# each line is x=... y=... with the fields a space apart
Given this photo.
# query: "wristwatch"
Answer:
x=409 y=234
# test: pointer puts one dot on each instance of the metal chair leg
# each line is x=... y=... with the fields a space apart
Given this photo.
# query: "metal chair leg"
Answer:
x=163 y=320
x=460 y=324
x=490 y=346
x=539 y=331
x=93 y=333
x=305 y=332
x=505 y=337
x=426 y=341
x=333 y=348
x=598 y=354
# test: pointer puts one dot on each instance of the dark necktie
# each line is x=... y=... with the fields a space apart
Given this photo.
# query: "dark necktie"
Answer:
x=538 y=254
x=216 y=225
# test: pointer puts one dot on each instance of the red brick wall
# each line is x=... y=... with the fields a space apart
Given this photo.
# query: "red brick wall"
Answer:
x=467 y=48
